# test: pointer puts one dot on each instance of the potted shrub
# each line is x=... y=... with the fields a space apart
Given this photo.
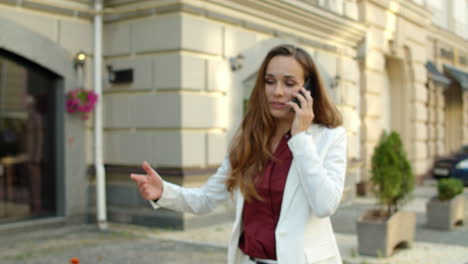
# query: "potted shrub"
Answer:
x=446 y=209
x=381 y=230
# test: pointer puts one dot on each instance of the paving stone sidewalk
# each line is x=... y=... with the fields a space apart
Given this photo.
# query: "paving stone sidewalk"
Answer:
x=134 y=244
x=90 y=245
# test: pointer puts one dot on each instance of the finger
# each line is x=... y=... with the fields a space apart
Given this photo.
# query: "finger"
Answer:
x=308 y=96
x=307 y=93
x=139 y=178
x=294 y=106
x=151 y=172
x=301 y=98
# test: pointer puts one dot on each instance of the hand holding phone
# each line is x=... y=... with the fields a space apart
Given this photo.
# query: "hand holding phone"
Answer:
x=308 y=87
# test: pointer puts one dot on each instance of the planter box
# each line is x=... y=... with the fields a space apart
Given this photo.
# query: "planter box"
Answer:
x=445 y=214
x=380 y=238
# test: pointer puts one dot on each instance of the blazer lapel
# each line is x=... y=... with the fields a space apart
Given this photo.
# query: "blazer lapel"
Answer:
x=292 y=182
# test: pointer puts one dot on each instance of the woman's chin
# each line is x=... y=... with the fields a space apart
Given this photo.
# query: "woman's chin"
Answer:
x=282 y=114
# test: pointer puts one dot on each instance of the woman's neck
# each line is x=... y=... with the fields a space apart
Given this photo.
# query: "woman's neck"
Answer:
x=283 y=127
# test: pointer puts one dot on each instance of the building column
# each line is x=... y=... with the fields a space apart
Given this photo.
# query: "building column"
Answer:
x=418 y=148
x=440 y=122
x=465 y=117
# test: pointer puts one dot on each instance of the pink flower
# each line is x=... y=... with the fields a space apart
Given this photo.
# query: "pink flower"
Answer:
x=81 y=100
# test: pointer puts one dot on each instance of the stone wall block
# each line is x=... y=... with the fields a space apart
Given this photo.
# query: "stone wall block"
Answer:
x=420 y=93
x=167 y=71
x=420 y=112
x=373 y=82
x=327 y=61
x=419 y=54
x=80 y=40
x=353 y=145
x=201 y=35
x=218 y=75
x=440 y=116
x=217 y=148
x=440 y=130
x=128 y=148
x=376 y=15
x=372 y=129
x=193 y=73
x=351 y=9
x=237 y=40
x=117 y=39
x=420 y=73
x=156 y=33
x=193 y=149
x=349 y=69
x=375 y=60
x=202 y=111
x=420 y=131
x=350 y=95
x=167 y=149
x=351 y=119
x=376 y=38
x=372 y=105
x=155 y=110
x=116 y=110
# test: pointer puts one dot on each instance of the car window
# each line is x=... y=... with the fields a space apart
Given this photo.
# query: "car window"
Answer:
x=464 y=149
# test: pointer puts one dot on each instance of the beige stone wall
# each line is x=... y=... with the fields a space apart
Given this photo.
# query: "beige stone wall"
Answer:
x=173 y=115
x=184 y=91
x=395 y=51
x=455 y=47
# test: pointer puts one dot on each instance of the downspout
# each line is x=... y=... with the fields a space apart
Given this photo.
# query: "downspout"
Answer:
x=100 y=173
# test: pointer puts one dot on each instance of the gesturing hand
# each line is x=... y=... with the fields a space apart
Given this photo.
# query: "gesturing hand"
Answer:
x=150 y=186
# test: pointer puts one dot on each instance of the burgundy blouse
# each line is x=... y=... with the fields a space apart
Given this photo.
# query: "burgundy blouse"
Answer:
x=259 y=218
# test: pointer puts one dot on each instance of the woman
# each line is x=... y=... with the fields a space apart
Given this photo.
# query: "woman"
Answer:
x=285 y=169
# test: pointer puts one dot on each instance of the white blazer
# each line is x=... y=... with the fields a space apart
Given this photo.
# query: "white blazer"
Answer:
x=313 y=190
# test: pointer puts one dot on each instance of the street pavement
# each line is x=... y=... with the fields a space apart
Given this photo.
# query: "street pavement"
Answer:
x=135 y=244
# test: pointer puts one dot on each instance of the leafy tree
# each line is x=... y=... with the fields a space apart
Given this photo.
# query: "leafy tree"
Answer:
x=392 y=176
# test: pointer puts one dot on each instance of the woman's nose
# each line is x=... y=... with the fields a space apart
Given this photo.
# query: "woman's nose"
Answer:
x=278 y=89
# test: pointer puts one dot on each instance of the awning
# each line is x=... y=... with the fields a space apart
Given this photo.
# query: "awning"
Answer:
x=458 y=75
x=435 y=75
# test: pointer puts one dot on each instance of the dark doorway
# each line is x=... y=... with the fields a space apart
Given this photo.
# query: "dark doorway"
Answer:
x=28 y=157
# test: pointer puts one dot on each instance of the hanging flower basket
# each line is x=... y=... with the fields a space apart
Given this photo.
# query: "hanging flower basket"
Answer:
x=82 y=101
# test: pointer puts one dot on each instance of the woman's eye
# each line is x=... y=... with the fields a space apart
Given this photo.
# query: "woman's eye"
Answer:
x=290 y=84
x=269 y=81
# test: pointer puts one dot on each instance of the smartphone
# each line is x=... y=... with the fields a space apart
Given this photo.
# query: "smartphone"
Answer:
x=308 y=87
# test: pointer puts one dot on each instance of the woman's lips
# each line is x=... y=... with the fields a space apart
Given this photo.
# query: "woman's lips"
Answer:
x=278 y=105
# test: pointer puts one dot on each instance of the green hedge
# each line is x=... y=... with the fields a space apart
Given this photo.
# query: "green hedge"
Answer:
x=449 y=188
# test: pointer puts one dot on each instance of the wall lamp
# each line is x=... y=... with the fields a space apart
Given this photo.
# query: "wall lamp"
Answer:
x=79 y=59
x=236 y=62
x=335 y=81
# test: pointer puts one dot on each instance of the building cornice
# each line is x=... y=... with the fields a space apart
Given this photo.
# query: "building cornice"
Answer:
x=289 y=19
x=442 y=35
x=287 y=16
x=72 y=9
x=408 y=10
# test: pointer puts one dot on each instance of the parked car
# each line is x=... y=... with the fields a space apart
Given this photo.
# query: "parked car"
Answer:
x=453 y=166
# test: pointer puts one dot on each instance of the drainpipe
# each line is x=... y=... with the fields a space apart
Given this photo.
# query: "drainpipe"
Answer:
x=101 y=213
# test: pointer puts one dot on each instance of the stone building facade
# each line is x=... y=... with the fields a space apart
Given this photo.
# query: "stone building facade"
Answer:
x=193 y=64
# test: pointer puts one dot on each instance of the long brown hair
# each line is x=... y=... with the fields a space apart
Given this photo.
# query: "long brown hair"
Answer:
x=250 y=148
